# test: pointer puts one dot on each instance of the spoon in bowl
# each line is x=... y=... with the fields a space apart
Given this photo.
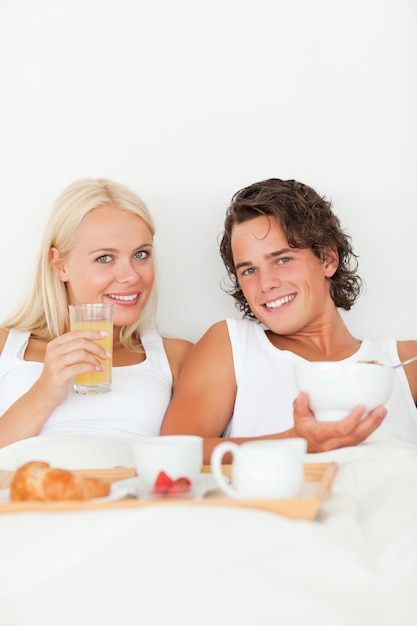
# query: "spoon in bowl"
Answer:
x=414 y=358
x=394 y=367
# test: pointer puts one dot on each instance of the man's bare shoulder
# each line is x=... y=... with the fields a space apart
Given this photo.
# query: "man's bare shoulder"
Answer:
x=407 y=348
x=216 y=339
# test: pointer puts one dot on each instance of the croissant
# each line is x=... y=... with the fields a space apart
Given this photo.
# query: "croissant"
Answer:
x=36 y=480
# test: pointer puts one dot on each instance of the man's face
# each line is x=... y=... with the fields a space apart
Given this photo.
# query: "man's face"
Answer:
x=287 y=289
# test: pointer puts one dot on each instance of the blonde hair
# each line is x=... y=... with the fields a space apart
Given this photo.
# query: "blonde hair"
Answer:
x=44 y=309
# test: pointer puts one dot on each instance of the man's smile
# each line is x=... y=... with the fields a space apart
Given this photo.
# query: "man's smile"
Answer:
x=275 y=304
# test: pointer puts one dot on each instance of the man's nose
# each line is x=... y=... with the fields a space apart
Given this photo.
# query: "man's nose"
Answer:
x=268 y=279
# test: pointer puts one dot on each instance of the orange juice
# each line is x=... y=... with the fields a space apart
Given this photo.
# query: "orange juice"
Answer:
x=87 y=317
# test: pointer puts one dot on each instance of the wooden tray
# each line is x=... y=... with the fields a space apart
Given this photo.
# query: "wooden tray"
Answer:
x=317 y=482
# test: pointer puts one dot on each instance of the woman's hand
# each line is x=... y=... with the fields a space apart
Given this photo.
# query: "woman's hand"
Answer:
x=323 y=436
x=67 y=356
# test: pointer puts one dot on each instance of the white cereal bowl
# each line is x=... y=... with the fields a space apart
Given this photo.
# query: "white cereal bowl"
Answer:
x=335 y=388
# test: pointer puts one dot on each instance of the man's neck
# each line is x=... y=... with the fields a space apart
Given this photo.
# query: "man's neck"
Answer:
x=329 y=341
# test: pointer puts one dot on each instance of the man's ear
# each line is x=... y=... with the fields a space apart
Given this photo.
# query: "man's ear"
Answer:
x=57 y=263
x=331 y=261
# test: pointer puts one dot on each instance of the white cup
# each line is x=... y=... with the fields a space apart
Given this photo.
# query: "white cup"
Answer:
x=176 y=455
x=262 y=469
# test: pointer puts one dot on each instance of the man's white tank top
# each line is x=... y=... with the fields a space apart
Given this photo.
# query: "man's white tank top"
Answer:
x=134 y=408
x=266 y=386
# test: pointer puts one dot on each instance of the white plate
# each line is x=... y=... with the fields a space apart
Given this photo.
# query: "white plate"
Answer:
x=135 y=487
x=117 y=492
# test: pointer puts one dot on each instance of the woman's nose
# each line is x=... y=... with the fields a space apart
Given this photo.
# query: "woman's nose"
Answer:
x=126 y=273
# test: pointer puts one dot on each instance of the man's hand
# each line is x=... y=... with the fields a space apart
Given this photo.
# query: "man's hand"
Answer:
x=323 y=436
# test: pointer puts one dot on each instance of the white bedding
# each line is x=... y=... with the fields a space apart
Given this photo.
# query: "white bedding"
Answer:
x=354 y=566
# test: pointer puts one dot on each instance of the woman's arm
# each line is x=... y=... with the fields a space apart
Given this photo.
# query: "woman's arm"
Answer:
x=63 y=358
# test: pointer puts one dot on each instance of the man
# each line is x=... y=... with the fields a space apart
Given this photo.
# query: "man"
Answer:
x=291 y=268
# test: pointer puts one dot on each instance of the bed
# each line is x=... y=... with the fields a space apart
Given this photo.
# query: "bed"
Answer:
x=354 y=565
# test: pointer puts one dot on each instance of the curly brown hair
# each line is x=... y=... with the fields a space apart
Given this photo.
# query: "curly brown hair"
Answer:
x=307 y=220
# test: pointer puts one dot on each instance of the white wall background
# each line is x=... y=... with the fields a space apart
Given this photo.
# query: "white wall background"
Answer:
x=187 y=101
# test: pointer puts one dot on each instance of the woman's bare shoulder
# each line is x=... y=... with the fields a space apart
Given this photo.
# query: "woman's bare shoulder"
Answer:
x=3 y=336
x=176 y=347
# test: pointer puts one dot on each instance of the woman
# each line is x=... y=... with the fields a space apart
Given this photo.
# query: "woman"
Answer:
x=97 y=247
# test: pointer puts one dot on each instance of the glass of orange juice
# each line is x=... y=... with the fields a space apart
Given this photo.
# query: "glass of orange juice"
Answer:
x=94 y=317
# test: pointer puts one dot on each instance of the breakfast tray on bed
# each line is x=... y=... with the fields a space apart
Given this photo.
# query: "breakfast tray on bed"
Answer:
x=318 y=478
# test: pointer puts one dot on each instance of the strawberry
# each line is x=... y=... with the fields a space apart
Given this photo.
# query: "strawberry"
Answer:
x=163 y=483
x=181 y=485
x=165 y=486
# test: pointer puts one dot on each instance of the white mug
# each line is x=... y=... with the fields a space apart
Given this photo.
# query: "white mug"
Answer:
x=176 y=455
x=262 y=469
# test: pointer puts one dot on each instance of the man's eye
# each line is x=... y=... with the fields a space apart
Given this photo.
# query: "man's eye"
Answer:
x=283 y=260
x=105 y=258
x=250 y=270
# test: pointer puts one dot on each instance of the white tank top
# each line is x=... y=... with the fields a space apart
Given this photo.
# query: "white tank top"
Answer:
x=266 y=385
x=134 y=408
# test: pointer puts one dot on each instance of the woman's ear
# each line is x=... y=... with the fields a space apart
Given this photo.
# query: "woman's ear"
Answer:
x=331 y=261
x=57 y=264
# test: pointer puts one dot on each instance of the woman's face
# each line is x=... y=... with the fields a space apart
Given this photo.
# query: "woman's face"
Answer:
x=111 y=261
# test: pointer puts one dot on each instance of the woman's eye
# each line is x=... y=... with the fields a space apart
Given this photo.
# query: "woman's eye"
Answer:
x=105 y=258
x=142 y=254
